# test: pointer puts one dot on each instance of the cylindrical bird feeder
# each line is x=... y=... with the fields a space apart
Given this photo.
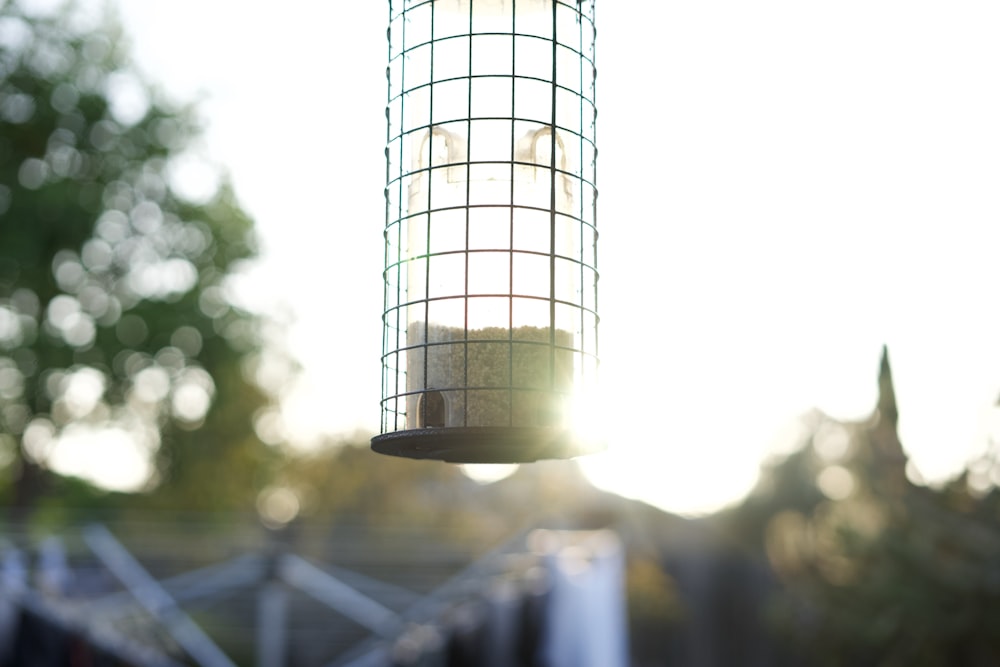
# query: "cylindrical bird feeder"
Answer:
x=490 y=319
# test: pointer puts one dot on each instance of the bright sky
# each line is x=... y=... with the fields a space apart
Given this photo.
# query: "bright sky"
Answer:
x=785 y=186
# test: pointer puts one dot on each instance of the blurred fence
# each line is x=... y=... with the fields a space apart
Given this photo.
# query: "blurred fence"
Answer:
x=552 y=598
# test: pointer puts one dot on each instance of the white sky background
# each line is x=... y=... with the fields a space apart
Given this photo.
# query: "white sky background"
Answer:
x=785 y=186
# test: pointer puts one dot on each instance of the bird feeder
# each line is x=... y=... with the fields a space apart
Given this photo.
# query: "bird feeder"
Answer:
x=490 y=318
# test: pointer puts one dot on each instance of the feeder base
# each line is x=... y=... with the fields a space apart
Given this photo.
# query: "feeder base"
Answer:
x=484 y=444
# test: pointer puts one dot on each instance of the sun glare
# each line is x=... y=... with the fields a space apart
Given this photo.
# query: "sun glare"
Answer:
x=486 y=473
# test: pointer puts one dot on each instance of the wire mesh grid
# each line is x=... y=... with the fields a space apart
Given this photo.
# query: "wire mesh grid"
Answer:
x=490 y=318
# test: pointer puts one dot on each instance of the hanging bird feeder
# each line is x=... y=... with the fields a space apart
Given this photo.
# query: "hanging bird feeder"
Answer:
x=490 y=319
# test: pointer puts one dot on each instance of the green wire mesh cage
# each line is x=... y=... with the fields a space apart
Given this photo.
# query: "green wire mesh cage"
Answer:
x=490 y=320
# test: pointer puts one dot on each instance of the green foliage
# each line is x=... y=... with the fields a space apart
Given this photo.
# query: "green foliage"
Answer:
x=887 y=574
x=115 y=312
x=346 y=481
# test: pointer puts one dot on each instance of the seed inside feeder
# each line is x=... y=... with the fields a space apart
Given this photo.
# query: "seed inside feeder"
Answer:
x=495 y=377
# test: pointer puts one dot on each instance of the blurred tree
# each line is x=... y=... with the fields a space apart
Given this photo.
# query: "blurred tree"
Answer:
x=877 y=570
x=116 y=322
